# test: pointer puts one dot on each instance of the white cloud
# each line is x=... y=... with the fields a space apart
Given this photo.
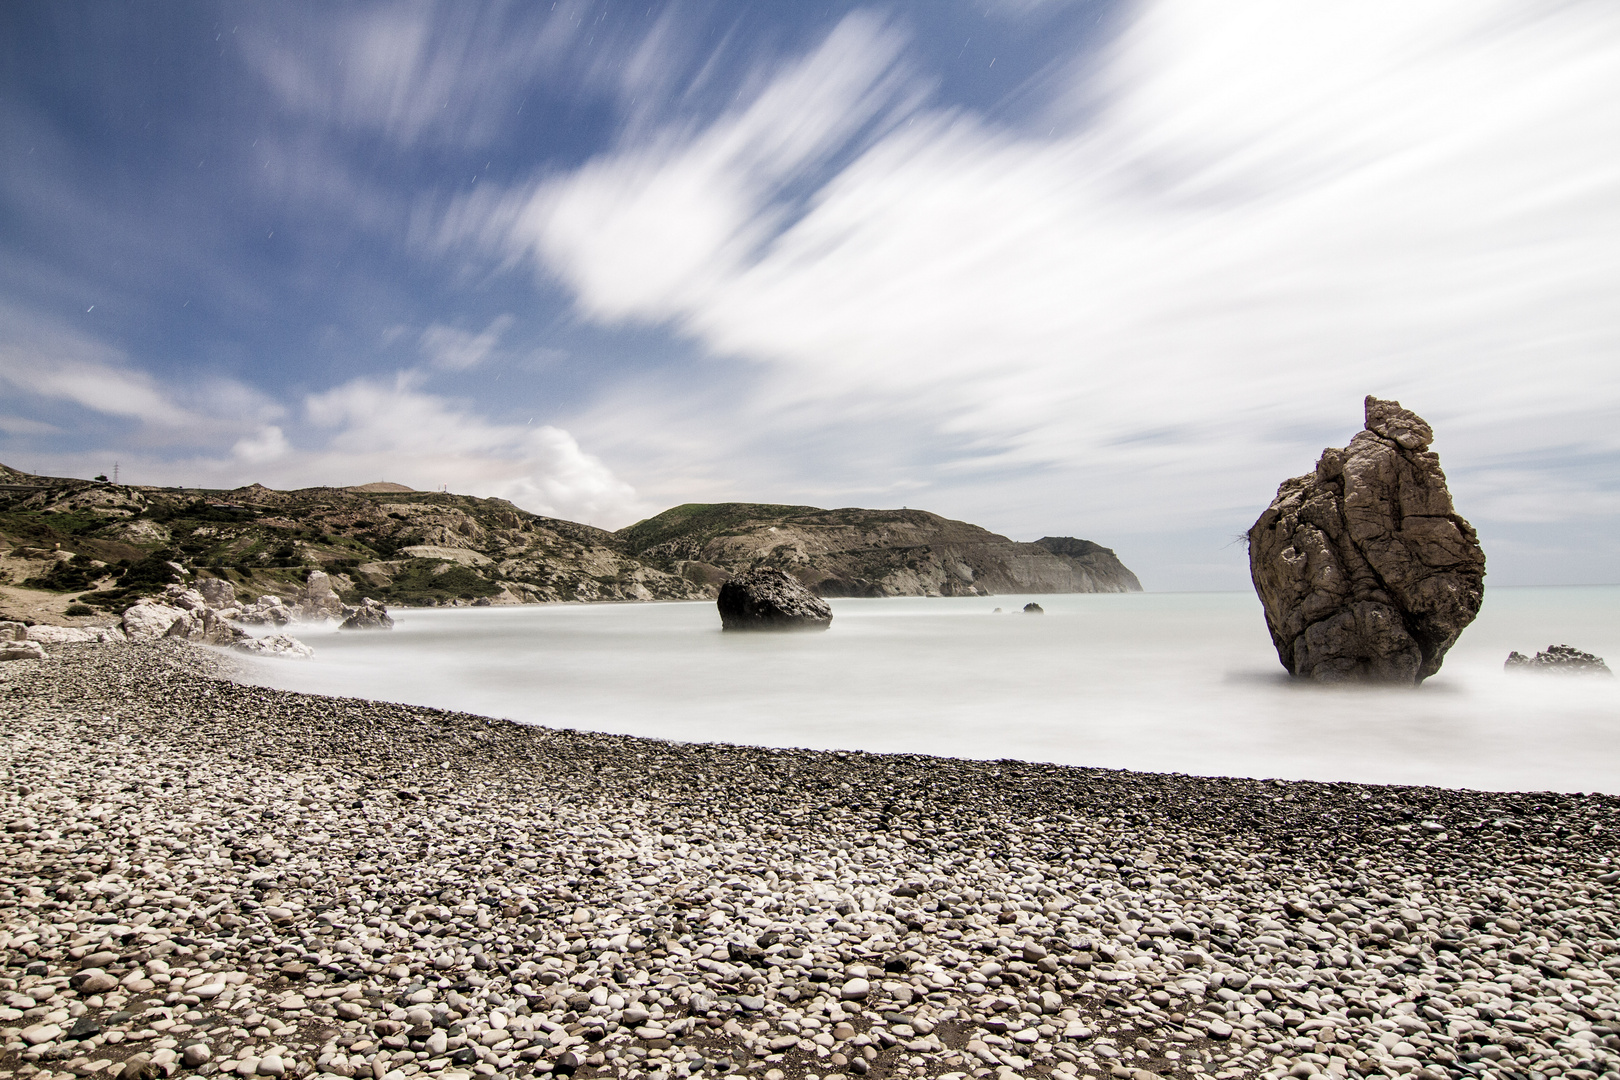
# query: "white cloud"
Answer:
x=651 y=232
x=417 y=72
x=1255 y=215
x=366 y=429
x=396 y=431
x=53 y=365
x=20 y=425
x=267 y=444
x=450 y=349
x=55 y=362
x=391 y=429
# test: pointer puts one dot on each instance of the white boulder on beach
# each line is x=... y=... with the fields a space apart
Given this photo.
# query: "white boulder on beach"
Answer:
x=275 y=645
x=211 y=614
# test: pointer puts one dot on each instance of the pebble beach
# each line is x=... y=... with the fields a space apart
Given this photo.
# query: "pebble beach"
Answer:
x=199 y=877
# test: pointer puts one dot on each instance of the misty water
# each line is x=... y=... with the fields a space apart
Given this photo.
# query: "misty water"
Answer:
x=1152 y=681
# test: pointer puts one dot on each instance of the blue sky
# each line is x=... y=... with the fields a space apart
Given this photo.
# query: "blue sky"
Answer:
x=1104 y=269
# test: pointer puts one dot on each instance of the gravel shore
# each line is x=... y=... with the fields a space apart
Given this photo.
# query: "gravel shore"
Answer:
x=201 y=877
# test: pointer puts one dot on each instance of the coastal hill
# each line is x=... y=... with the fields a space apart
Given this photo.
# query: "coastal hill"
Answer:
x=101 y=545
x=853 y=552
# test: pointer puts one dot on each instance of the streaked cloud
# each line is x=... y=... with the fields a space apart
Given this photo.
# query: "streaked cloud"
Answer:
x=1242 y=220
x=451 y=349
x=415 y=72
x=393 y=428
x=1110 y=268
x=39 y=359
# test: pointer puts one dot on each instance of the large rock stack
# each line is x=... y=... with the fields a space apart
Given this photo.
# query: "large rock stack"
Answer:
x=1366 y=571
x=771 y=599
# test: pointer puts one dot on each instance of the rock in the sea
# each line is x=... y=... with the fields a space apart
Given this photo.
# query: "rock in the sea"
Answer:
x=275 y=645
x=1560 y=659
x=771 y=599
x=150 y=620
x=369 y=615
x=1366 y=571
x=1034 y=609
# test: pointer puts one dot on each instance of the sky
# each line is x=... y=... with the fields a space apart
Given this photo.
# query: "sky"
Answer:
x=1068 y=267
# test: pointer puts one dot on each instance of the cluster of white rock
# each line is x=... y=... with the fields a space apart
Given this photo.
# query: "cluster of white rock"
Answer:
x=211 y=613
x=208 y=613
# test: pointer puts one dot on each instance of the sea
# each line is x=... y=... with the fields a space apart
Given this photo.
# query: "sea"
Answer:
x=1162 y=682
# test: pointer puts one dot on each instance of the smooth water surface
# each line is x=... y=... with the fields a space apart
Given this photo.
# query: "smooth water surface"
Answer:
x=1153 y=681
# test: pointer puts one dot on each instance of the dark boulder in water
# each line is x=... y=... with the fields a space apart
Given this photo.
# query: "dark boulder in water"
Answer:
x=770 y=599
x=1559 y=659
x=1365 y=570
x=1034 y=609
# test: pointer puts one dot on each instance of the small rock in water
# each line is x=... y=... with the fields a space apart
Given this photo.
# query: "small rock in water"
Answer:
x=1561 y=659
x=1034 y=609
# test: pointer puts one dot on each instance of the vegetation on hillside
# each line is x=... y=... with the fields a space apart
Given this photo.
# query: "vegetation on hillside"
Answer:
x=110 y=544
x=115 y=543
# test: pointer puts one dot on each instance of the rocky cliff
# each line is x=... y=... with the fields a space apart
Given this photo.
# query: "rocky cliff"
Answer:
x=853 y=552
x=105 y=545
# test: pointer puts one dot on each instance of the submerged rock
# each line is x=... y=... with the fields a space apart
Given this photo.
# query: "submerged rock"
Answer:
x=770 y=599
x=1559 y=659
x=1365 y=570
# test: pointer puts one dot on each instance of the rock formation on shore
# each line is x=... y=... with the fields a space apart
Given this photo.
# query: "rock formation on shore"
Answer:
x=369 y=615
x=854 y=552
x=1366 y=571
x=1559 y=659
x=770 y=599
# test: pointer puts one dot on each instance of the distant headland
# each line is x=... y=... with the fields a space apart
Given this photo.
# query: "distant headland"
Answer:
x=94 y=547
